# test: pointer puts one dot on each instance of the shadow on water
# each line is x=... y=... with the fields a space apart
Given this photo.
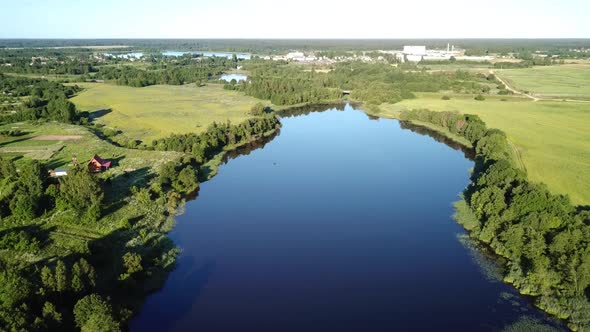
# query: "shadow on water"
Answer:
x=192 y=278
x=307 y=109
x=493 y=268
x=246 y=149
x=469 y=152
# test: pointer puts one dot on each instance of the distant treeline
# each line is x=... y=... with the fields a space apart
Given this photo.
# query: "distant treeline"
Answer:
x=180 y=71
x=528 y=62
x=545 y=239
x=270 y=46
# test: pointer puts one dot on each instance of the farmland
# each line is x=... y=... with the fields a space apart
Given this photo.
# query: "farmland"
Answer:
x=551 y=137
x=61 y=144
x=565 y=81
x=158 y=111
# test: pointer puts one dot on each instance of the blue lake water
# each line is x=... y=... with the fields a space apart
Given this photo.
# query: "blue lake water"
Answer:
x=136 y=55
x=237 y=77
x=340 y=223
x=228 y=55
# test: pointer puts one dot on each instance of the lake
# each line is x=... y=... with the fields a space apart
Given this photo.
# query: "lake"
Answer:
x=228 y=55
x=237 y=77
x=135 y=55
x=342 y=222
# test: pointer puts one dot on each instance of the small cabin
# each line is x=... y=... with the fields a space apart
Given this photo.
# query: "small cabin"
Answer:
x=97 y=164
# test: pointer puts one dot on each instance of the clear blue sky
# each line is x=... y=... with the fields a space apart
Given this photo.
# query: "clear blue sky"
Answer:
x=294 y=19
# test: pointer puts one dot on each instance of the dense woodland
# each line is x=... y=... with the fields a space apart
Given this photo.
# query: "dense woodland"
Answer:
x=33 y=99
x=544 y=238
x=284 y=84
x=183 y=70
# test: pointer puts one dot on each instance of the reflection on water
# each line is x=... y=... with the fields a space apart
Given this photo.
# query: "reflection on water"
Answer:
x=469 y=152
x=337 y=223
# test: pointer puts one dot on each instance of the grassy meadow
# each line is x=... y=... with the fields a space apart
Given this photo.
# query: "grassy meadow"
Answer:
x=551 y=137
x=158 y=111
x=563 y=81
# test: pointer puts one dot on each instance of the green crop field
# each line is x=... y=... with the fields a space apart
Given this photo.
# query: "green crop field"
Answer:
x=552 y=137
x=157 y=111
x=564 y=81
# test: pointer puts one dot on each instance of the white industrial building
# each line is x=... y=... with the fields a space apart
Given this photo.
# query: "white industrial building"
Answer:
x=414 y=53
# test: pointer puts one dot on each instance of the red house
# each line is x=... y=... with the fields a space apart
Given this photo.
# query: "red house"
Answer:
x=97 y=164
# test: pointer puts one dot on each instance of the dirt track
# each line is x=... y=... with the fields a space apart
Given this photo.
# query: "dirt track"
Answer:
x=56 y=137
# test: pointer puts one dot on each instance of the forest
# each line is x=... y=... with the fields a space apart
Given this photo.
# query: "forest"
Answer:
x=283 y=84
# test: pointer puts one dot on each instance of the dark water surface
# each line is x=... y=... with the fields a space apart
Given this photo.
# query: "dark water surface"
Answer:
x=340 y=223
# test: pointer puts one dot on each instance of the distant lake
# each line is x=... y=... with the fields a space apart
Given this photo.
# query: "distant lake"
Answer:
x=342 y=222
x=237 y=77
x=228 y=55
x=136 y=55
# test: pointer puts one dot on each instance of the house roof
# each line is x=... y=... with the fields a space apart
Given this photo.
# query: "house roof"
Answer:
x=102 y=162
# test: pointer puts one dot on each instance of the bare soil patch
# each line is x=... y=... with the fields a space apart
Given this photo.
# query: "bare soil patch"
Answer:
x=56 y=137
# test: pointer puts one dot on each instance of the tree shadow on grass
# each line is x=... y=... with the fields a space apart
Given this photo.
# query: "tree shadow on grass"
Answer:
x=55 y=163
x=119 y=186
x=39 y=233
x=98 y=114
x=14 y=141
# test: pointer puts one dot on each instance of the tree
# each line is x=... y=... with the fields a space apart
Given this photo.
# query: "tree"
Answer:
x=257 y=109
x=50 y=312
x=93 y=314
x=132 y=263
x=47 y=278
x=77 y=278
x=61 y=277
x=14 y=288
x=80 y=192
x=187 y=179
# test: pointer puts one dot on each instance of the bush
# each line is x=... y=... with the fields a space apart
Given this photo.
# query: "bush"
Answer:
x=257 y=109
x=445 y=97
x=479 y=98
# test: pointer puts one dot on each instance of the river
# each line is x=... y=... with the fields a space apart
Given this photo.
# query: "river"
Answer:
x=342 y=222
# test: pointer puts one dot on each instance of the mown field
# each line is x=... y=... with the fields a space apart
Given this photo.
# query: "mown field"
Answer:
x=552 y=137
x=564 y=81
x=158 y=111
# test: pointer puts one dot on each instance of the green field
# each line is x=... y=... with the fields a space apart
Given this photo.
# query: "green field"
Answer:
x=564 y=81
x=157 y=111
x=129 y=166
x=552 y=137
